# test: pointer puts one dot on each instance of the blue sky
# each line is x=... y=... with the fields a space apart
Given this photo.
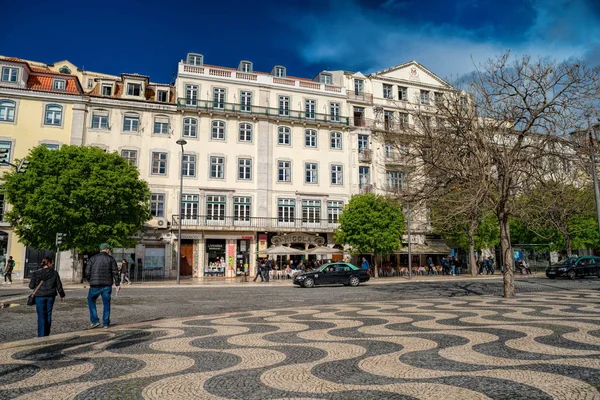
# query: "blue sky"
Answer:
x=304 y=35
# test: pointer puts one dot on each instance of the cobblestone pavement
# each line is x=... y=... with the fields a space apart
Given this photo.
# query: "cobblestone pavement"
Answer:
x=537 y=346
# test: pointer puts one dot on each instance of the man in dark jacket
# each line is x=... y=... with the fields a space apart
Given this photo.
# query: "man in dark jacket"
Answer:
x=10 y=265
x=102 y=273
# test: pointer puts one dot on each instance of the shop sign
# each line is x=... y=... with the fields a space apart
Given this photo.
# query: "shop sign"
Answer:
x=243 y=246
x=231 y=256
x=215 y=247
x=247 y=237
x=298 y=238
x=262 y=244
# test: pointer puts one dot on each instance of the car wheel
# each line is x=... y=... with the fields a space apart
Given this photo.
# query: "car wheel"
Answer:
x=571 y=274
x=309 y=282
x=354 y=281
x=550 y=276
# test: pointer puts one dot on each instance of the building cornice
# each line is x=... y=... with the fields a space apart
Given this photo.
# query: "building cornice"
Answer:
x=38 y=94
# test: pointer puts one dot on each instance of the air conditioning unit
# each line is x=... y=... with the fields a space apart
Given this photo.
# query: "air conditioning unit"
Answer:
x=158 y=222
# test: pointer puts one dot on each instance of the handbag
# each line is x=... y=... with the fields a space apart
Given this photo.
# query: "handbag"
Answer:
x=31 y=298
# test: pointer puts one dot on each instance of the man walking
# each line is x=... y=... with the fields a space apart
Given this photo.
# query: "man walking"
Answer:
x=102 y=273
x=267 y=269
x=259 y=270
x=365 y=264
x=8 y=269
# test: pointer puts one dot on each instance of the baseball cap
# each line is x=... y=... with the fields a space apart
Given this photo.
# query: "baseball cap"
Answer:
x=105 y=246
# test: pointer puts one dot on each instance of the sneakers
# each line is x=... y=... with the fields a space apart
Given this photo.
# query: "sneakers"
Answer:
x=105 y=327
x=92 y=326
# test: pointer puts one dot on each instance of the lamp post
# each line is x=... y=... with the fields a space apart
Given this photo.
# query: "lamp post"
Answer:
x=182 y=143
x=409 y=244
x=594 y=129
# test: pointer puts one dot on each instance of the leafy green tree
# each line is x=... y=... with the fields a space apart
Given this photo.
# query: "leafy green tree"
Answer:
x=371 y=224
x=88 y=194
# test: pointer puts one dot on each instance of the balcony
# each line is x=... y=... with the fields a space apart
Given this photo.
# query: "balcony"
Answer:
x=250 y=110
x=360 y=97
x=364 y=156
x=365 y=188
x=395 y=158
x=223 y=223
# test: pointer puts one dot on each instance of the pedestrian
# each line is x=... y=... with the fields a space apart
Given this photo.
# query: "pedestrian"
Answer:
x=259 y=270
x=267 y=269
x=490 y=265
x=102 y=273
x=8 y=269
x=445 y=266
x=430 y=269
x=124 y=271
x=48 y=284
x=365 y=264
x=452 y=266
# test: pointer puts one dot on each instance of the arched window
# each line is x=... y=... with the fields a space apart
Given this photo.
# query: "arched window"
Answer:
x=53 y=115
x=245 y=132
x=190 y=127
x=7 y=110
x=218 y=130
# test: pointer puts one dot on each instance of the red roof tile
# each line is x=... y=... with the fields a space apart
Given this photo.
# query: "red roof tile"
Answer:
x=44 y=83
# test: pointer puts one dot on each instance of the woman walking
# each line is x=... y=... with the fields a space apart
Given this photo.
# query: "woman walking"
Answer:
x=49 y=285
x=124 y=271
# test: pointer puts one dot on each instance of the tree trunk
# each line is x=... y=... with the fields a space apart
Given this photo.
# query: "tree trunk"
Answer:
x=472 y=261
x=507 y=257
x=374 y=266
x=569 y=245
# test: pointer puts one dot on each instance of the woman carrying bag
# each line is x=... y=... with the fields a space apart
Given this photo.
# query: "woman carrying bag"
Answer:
x=47 y=284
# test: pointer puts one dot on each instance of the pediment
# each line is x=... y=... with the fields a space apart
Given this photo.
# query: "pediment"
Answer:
x=412 y=71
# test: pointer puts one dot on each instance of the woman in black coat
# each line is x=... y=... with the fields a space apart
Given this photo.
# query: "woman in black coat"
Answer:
x=45 y=295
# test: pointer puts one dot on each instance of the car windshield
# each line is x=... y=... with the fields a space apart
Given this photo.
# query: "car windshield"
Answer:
x=568 y=261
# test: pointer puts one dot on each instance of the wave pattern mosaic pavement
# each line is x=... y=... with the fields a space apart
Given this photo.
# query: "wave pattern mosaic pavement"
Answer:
x=538 y=346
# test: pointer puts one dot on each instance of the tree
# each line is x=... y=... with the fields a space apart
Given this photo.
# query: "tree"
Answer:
x=371 y=224
x=503 y=135
x=88 y=194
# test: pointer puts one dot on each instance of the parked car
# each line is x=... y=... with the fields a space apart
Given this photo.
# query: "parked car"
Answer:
x=333 y=273
x=573 y=267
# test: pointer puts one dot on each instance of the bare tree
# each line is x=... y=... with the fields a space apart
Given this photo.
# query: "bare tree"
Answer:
x=499 y=137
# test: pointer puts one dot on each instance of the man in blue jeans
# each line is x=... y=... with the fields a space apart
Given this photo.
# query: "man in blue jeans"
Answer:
x=102 y=273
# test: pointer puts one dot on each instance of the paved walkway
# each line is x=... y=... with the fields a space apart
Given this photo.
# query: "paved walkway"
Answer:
x=538 y=346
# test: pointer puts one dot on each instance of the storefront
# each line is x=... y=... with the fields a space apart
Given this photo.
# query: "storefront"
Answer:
x=243 y=256
x=215 y=257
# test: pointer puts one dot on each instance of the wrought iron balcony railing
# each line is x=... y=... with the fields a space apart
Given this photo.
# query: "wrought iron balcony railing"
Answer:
x=221 y=222
x=283 y=113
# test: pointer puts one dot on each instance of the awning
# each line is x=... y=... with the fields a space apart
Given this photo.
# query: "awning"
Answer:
x=433 y=246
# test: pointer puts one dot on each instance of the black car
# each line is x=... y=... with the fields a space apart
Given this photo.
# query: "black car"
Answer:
x=573 y=267
x=332 y=273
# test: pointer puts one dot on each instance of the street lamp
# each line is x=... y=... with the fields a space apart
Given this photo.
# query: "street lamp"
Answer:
x=182 y=143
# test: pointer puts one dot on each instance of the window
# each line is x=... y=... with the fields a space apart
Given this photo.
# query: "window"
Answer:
x=403 y=119
x=9 y=74
x=388 y=91
x=53 y=115
x=130 y=155
x=280 y=72
x=159 y=163
x=364 y=176
x=7 y=110
x=311 y=173
x=8 y=146
x=218 y=130
x=336 y=140
x=244 y=168
x=395 y=180
x=326 y=79
x=284 y=106
x=246 y=67
x=161 y=125
x=191 y=95
x=286 y=210
x=190 y=127
x=334 y=210
x=90 y=83
x=402 y=93
x=363 y=142
x=310 y=108
x=217 y=167
x=100 y=120
x=246 y=101
x=194 y=59
x=310 y=138
x=189 y=206
x=438 y=97
x=51 y=146
x=131 y=123
x=311 y=211
x=388 y=119
x=334 y=111
x=157 y=205
x=162 y=96
x=245 y=134
x=359 y=116
x=2 y=207
x=215 y=208
x=337 y=174
x=219 y=98
x=359 y=86
x=284 y=171
x=424 y=97
x=188 y=167
x=134 y=89
x=106 y=90
x=284 y=136
x=59 y=84
x=241 y=208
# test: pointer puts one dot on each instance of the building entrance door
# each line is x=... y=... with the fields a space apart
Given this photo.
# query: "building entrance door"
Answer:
x=187 y=257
